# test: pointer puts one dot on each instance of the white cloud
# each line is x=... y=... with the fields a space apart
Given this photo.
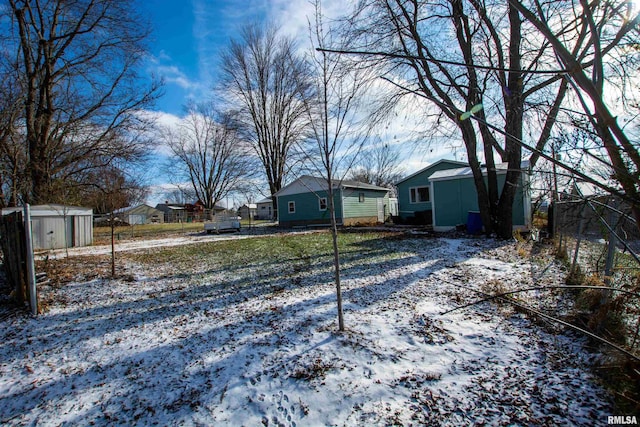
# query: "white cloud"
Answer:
x=293 y=17
x=172 y=74
x=161 y=121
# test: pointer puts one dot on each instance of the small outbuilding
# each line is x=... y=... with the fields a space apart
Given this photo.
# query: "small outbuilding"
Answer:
x=59 y=226
x=304 y=202
x=248 y=211
x=265 y=209
x=454 y=196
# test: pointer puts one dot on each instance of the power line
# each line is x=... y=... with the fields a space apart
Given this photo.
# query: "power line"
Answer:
x=440 y=61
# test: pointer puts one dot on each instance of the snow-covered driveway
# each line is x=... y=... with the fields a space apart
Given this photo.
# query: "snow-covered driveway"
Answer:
x=257 y=345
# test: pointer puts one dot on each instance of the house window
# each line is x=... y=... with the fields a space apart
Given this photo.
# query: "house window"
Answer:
x=292 y=207
x=419 y=194
x=322 y=203
x=361 y=197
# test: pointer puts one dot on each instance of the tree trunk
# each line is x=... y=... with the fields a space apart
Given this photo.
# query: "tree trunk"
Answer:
x=514 y=106
x=113 y=245
x=336 y=256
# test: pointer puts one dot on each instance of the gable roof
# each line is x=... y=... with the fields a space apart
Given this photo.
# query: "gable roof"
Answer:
x=310 y=184
x=453 y=162
x=501 y=168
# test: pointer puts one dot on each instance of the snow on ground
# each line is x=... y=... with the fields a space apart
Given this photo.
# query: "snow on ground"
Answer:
x=257 y=345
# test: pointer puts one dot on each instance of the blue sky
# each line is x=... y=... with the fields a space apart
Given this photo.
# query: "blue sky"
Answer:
x=185 y=47
x=189 y=35
x=186 y=39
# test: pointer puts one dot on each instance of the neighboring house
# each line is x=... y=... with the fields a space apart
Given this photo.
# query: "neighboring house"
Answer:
x=248 y=211
x=304 y=202
x=142 y=214
x=178 y=212
x=453 y=197
x=414 y=198
x=173 y=212
x=59 y=226
x=265 y=209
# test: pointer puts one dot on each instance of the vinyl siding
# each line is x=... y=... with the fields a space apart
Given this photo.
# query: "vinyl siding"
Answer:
x=307 y=207
x=454 y=198
x=406 y=209
x=353 y=208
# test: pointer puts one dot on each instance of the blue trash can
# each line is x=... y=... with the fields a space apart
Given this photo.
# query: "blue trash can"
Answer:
x=474 y=223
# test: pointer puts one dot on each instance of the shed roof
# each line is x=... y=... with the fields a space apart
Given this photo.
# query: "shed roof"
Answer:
x=265 y=200
x=459 y=173
x=52 y=210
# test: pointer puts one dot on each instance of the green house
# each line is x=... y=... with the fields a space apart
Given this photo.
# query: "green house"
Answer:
x=414 y=192
x=304 y=202
x=453 y=197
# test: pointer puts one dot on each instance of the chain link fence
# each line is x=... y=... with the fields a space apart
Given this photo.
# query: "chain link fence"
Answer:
x=600 y=240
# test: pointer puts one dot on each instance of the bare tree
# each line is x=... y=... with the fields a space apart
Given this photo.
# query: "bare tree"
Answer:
x=378 y=165
x=180 y=195
x=338 y=131
x=267 y=84
x=112 y=189
x=12 y=153
x=599 y=44
x=77 y=63
x=210 y=152
x=460 y=54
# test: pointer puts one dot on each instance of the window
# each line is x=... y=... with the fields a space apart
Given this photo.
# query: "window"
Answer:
x=419 y=194
x=361 y=197
x=322 y=202
x=292 y=207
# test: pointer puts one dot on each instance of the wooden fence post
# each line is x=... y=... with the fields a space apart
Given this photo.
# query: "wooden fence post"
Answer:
x=13 y=250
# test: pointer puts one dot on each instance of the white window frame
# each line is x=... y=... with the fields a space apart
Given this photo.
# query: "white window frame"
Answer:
x=320 y=200
x=290 y=205
x=417 y=194
x=361 y=197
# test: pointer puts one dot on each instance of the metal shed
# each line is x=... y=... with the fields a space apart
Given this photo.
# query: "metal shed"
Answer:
x=59 y=226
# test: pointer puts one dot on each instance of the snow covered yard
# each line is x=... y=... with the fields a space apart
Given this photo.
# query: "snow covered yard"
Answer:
x=244 y=333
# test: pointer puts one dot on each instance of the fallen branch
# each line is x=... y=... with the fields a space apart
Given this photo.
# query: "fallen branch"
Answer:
x=538 y=288
x=551 y=318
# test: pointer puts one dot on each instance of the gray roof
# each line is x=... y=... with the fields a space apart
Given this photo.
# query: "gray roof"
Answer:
x=454 y=162
x=308 y=184
x=501 y=168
